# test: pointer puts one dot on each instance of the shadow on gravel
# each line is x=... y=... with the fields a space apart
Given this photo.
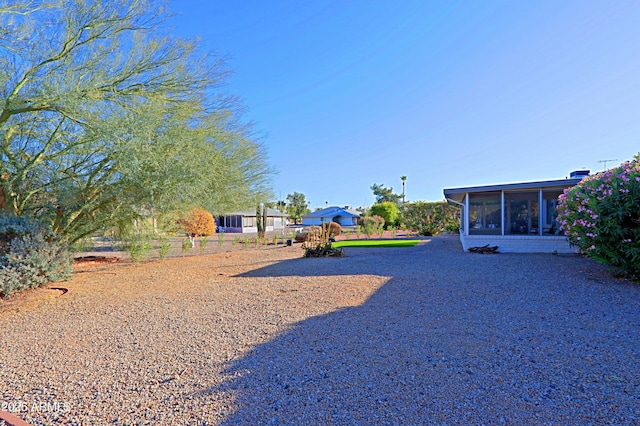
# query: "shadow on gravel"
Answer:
x=452 y=338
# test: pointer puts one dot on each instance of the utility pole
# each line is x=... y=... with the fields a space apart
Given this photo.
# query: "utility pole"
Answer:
x=606 y=161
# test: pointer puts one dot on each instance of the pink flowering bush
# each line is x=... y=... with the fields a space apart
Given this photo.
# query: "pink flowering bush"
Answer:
x=601 y=215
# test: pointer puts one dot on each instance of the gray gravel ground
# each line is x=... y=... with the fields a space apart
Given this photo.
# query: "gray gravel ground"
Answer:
x=423 y=335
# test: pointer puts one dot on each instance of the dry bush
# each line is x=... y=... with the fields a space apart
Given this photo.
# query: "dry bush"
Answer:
x=198 y=222
x=374 y=221
x=332 y=228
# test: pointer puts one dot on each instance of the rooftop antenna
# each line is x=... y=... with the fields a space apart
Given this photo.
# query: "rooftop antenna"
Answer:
x=606 y=161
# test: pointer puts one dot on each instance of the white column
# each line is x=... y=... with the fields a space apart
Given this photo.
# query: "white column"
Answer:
x=502 y=210
x=466 y=214
x=540 y=221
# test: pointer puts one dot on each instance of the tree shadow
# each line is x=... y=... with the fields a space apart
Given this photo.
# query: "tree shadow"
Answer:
x=440 y=343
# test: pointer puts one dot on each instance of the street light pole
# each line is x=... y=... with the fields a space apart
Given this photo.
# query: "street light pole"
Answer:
x=403 y=179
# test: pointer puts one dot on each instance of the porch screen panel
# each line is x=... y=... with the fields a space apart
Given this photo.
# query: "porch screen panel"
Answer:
x=550 y=212
x=484 y=214
x=522 y=213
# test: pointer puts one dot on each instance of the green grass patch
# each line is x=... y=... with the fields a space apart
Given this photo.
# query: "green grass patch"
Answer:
x=375 y=243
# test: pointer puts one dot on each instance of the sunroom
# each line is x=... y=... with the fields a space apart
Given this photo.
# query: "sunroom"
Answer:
x=247 y=222
x=516 y=217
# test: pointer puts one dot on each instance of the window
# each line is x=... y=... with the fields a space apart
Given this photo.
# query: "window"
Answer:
x=249 y=222
x=484 y=214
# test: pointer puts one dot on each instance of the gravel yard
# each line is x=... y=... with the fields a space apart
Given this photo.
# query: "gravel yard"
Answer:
x=407 y=336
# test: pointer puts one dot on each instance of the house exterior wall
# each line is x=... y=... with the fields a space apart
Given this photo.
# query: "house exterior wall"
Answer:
x=348 y=221
x=519 y=244
x=229 y=229
x=342 y=220
x=279 y=223
x=309 y=221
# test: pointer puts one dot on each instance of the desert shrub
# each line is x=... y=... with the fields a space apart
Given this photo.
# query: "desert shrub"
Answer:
x=198 y=223
x=165 y=247
x=204 y=241
x=387 y=210
x=334 y=229
x=431 y=218
x=318 y=242
x=313 y=234
x=373 y=222
x=138 y=249
x=309 y=233
x=186 y=245
x=30 y=255
x=601 y=215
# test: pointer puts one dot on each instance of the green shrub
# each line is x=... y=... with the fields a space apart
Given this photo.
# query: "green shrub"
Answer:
x=601 y=215
x=165 y=247
x=186 y=245
x=138 y=249
x=431 y=218
x=30 y=255
x=386 y=210
x=204 y=241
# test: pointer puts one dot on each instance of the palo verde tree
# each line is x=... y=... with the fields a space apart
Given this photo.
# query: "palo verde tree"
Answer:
x=104 y=117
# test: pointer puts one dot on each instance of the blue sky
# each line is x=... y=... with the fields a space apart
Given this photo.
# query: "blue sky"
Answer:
x=345 y=94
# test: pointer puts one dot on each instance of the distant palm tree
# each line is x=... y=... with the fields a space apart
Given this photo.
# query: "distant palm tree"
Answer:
x=403 y=179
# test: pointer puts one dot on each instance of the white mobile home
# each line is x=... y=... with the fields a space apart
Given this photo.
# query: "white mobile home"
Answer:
x=247 y=222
